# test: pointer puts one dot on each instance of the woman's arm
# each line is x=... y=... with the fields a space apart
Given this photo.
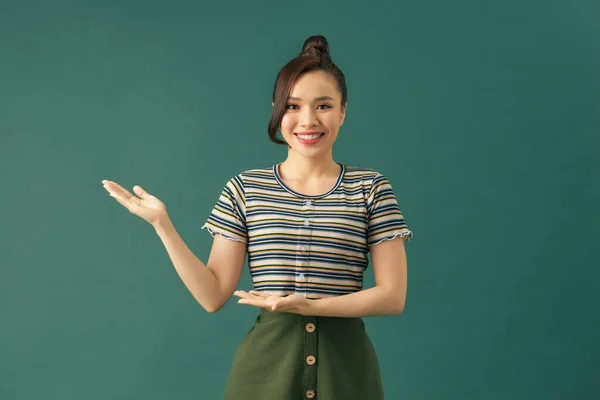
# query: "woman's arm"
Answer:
x=211 y=284
x=386 y=298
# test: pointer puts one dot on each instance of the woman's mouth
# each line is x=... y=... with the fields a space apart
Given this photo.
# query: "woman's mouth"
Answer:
x=311 y=138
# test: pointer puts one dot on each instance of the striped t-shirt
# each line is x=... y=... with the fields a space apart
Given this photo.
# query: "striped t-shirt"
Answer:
x=313 y=245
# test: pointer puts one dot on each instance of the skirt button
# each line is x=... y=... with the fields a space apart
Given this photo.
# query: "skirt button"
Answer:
x=310 y=327
x=310 y=394
x=310 y=360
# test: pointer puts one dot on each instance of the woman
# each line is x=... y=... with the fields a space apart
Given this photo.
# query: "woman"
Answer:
x=307 y=225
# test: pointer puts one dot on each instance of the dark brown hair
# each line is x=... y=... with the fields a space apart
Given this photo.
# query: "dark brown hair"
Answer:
x=314 y=56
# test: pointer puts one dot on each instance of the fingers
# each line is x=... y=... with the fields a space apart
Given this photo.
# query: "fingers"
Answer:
x=120 y=190
x=127 y=203
x=140 y=192
x=254 y=293
x=260 y=294
x=246 y=296
x=269 y=301
x=261 y=303
x=125 y=198
x=251 y=299
x=255 y=303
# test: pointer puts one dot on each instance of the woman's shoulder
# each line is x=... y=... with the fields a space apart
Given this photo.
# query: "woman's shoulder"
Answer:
x=253 y=172
x=362 y=173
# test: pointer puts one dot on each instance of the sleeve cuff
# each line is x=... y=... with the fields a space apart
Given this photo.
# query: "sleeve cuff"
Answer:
x=226 y=234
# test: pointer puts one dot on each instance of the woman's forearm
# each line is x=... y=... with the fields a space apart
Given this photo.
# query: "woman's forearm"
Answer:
x=370 y=302
x=199 y=280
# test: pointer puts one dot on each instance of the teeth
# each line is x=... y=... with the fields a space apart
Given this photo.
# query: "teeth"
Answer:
x=310 y=137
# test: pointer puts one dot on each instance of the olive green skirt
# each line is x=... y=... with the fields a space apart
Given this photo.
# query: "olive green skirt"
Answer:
x=288 y=356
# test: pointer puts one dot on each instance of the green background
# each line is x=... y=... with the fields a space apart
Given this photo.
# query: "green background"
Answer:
x=483 y=115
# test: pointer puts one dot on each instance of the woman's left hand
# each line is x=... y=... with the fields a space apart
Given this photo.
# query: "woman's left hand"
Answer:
x=294 y=303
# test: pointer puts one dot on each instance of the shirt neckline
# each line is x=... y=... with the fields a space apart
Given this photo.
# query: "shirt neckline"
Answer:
x=306 y=196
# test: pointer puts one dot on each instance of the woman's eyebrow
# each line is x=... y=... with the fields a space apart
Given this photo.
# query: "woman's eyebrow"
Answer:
x=316 y=98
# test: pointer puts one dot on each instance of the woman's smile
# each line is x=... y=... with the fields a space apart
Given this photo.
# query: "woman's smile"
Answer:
x=309 y=138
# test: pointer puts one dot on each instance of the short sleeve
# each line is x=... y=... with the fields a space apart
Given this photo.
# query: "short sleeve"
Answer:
x=385 y=220
x=228 y=217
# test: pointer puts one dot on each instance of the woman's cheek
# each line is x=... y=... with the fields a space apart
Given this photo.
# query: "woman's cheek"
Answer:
x=286 y=127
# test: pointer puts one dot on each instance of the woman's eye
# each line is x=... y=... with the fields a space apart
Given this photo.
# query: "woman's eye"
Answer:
x=293 y=105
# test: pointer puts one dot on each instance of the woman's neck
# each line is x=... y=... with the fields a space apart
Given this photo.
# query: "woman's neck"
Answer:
x=302 y=169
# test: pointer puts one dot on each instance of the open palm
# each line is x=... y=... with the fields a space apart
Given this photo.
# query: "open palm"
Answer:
x=146 y=206
x=294 y=303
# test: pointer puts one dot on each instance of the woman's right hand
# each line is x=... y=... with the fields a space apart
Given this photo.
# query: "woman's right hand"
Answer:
x=146 y=206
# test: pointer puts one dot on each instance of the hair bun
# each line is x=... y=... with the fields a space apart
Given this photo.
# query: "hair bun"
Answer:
x=316 y=45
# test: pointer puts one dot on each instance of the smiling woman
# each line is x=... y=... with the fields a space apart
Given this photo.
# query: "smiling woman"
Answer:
x=315 y=98
x=308 y=82
x=308 y=225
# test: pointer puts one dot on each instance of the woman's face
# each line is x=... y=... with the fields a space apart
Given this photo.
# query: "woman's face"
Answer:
x=313 y=115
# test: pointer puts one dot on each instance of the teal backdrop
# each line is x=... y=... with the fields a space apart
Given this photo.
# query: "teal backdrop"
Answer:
x=483 y=115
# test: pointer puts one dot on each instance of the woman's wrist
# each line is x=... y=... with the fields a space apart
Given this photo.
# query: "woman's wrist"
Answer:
x=162 y=223
x=310 y=307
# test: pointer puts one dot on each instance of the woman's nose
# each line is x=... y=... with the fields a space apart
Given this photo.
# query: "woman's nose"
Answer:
x=309 y=117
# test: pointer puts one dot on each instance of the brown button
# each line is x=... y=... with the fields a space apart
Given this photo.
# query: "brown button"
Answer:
x=310 y=394
x=310 y=327
x=310 y=360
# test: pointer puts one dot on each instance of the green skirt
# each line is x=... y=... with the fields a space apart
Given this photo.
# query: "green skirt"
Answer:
x=288 y=356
